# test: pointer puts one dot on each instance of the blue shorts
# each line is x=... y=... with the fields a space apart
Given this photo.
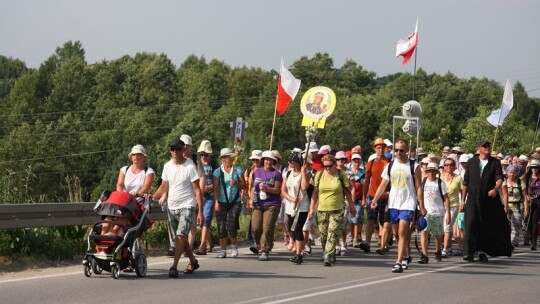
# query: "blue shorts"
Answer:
x=183 y=220
x=397 y=215
x=208 y=211
x=358 y=218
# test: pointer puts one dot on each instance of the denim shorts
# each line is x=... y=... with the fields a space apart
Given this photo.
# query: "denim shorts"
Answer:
x=208 y=211
x=358 y=218
x=183 y=220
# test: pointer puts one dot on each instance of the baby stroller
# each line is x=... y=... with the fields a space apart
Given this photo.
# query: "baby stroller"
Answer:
x=114 y=253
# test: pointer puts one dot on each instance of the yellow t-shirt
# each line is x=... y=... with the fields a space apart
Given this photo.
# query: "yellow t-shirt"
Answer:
x=454 y=190
x=331 y=195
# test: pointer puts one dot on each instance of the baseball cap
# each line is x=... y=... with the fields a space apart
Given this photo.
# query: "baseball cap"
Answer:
x=483 y=142
x=186 y=139
x=177 y=143
x=356 y=156
x=325 y=149
x=340 y=155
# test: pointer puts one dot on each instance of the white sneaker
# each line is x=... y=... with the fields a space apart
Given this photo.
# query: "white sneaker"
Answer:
x=263 y=256
x=342 y=251
x=234 y=251
x=222 y=254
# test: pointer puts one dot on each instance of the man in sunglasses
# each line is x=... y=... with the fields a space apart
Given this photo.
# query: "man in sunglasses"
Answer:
x=405 y=193
x=486 y=226
x=180 y=189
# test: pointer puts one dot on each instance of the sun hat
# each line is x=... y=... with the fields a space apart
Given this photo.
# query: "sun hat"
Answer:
x=420 y=151
x=226 y=152
x=268 y=154
x=186 y=139
x=277 y=154
x=387 y=142
x=340 y=154
x=255 y=154
x=426 y=160
x=177 y=143
x=446 y=149
x=356 y=156
x=421 y=224
x=457 y=149
x=312 y=147
x=205 y=147
x=325 y=149
x=523 y=158
x=534 y=163
x=137 y=149
x=379 y=141
x=432 y=167
x=295 y=157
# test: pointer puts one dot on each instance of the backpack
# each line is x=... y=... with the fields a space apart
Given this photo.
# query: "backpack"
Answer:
x=439 y=181
x=340 y=177
x=127 y=168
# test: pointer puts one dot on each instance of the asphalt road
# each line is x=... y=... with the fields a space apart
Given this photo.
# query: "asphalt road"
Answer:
x=355 y=278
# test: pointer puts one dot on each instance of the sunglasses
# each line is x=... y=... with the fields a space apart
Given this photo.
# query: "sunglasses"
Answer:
x=486 y=146
x=176 y=149
x=448 y=165
x=203 y=155
x=399 y=150
x=341 y=159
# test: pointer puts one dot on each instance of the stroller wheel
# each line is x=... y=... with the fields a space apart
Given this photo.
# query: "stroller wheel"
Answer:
x=115 y=270
x=95 y=267
x=140 y=265
x=87 y=270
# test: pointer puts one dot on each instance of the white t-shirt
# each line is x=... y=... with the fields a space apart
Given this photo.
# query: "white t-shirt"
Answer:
x=180 y=178
x=402 y=192
x=132 y=181
x=293 y=184
x=433 y=202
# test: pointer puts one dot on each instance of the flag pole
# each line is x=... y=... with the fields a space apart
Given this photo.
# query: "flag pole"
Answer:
x=273 y=123
x=414 y=75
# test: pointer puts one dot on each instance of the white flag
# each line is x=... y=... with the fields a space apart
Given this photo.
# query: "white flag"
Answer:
x=497 y=117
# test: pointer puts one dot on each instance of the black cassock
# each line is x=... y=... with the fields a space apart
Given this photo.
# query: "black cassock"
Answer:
x=486 y=225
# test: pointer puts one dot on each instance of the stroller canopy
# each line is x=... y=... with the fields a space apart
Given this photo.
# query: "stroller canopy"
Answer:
x=120 y=203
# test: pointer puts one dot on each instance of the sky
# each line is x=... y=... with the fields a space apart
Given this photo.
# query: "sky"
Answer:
x=470 y=38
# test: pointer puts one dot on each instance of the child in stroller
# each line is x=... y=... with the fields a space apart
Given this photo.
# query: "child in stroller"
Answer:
x=114 y=242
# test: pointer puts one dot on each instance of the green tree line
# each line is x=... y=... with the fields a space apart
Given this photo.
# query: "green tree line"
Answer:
x=67 y=126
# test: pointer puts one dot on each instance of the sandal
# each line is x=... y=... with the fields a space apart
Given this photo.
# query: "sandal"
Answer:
x=194 y=266
x=200 y=251
x=173 y=272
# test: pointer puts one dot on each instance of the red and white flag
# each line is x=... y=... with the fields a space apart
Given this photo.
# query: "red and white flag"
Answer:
x=288 y=87
x=406 y=47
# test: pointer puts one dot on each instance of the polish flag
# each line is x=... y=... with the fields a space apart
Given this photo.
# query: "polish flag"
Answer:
x=406 y=47
x=288 y=87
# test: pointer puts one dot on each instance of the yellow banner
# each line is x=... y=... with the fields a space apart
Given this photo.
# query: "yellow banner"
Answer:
x=316 y=105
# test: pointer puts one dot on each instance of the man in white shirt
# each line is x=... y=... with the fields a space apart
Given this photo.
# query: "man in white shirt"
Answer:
x=405 y=192
x=180 y=189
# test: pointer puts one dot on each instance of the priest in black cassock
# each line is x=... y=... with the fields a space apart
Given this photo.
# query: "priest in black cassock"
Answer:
x=486 y=225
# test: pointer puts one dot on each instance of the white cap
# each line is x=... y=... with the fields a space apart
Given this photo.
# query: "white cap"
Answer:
x=523 y=158
x=186 y=139
x=388 y=142
x=356 y=156
x=268 y=154
x=463 y=158
x=326 y=149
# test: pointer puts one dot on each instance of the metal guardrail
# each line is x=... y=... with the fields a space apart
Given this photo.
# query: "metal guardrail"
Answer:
x=56 y=214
